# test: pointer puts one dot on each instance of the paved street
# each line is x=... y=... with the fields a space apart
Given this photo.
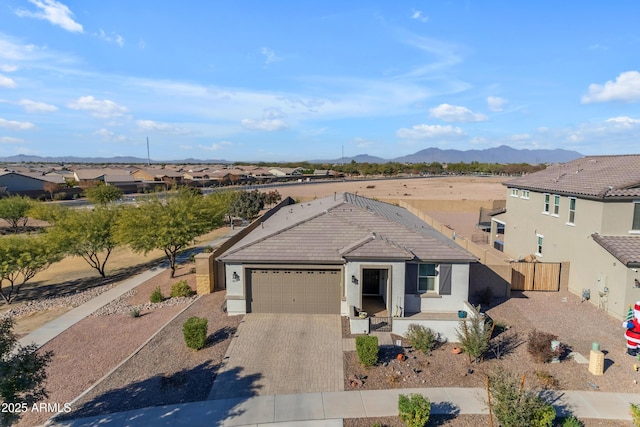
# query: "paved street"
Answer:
x=282 y=354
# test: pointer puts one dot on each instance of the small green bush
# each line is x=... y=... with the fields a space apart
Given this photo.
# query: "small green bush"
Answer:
x=414 y=409
x=135 y=312
x=635 y=414
x=367 y=348
x=422 y=338
x=195 y=332
x=60 y=196
x=474 y=334
x=156 y=296
x=572 y=422
x=181 y=289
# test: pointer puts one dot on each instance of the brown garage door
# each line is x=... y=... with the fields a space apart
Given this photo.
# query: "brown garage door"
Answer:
x=294 y=291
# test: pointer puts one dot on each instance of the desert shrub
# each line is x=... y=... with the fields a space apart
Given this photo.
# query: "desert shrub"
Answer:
x=635 y=414
x=572 y=422
x=539 y=346
x=207 y=250
x=514 y=406
x=421 y=338
x=135 y=312
x=474 y=334
x=181 y=289
x=60 y=196
x=547 y=380
x=414 y=409
x=367 y=349
x=195 y=332
x=156 y=296
x=485 y=296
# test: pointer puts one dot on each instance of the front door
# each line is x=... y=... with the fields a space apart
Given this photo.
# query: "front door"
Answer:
x=370 y=281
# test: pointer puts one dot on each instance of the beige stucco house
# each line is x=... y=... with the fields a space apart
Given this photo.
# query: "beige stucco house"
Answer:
x=585 y=213
x=343 y=253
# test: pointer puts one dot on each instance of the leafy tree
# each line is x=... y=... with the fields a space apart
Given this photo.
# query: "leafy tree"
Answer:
x=21 y=258
x=102 y=194
x=248 y=205
x=172 y=223
x=272 y=197
x=14 y=210
x=22 y=372
x=87 y=233
x=51 y=188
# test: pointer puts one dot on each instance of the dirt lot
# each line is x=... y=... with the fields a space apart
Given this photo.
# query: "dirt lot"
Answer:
x=426 y=188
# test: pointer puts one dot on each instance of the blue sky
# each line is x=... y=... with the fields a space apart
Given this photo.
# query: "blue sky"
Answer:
x=285 y=80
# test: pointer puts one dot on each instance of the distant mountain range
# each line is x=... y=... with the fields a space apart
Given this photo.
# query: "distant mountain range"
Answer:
x=502 y=154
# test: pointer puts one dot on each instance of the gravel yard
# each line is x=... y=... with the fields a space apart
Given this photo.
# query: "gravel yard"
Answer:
x=576 y=324
x=165 y=371
x=88 y=350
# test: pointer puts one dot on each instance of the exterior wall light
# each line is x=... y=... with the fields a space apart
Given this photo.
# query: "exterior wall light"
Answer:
x=235 y=277
x=354 y=280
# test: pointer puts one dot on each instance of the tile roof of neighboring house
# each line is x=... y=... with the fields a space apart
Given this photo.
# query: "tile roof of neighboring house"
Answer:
x=625 y=248
x=343 y=226
x=590 y=176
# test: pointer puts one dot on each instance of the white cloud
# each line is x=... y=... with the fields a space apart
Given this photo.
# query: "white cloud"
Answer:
x=186 y=147
x=271 y=121
x=10 y=140
x=104 y=109
x=216 y=146
x=54 y=12
x=430 y=132
x=112 y=38
x=108 y=135
x=160 y=127
x=363 y=143
x=37 y=107
x=7 y=82
x=419 y=16
x=625 y=88
x=264 y=125
x=8 y=68
x=624 y=121
x=14 y=125
x=270 y=55
x=495 y=103
x=455 y=113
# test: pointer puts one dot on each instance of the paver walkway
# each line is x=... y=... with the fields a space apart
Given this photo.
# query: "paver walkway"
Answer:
x=330 y=408
x=282 y=354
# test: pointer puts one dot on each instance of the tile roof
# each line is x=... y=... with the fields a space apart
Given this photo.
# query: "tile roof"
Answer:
x=590 y=176
x=344 y=226
x=625 y=248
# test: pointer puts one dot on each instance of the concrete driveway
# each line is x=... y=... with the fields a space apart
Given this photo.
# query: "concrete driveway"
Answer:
x=282 y=354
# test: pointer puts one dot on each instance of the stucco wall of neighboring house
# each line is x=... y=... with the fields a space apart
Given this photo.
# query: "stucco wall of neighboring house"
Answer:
x=617 y=218
x=17 y=183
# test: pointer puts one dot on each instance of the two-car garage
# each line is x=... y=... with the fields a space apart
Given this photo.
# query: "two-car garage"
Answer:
x=313 y=291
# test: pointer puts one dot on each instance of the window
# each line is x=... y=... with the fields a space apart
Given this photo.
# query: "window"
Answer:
x=572 y=210
x=547 y=199
x=514 y=192
x=427 y=277
x=525 y=194
x=635 y=225
x=556 y=205
x=539 y=244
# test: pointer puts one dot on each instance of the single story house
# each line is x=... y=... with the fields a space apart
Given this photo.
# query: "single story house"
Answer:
x=347 y=254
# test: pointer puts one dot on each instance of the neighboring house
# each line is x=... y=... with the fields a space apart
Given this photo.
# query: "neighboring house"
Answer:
x=286 y=171
x=20 y=183
x=325 y=172
x=586 y=214
x=342 y=255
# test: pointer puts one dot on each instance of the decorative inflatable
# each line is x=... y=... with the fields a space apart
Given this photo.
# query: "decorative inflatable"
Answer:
x=632 y=324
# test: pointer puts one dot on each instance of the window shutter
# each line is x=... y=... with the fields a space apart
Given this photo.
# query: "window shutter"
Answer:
x=411 y=279
x=445 y=279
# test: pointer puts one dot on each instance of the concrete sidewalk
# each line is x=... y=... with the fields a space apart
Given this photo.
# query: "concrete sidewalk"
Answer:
x=55 y=327
x=328 y=409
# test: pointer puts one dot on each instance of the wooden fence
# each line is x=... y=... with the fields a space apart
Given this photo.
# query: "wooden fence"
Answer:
x=535 y=276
